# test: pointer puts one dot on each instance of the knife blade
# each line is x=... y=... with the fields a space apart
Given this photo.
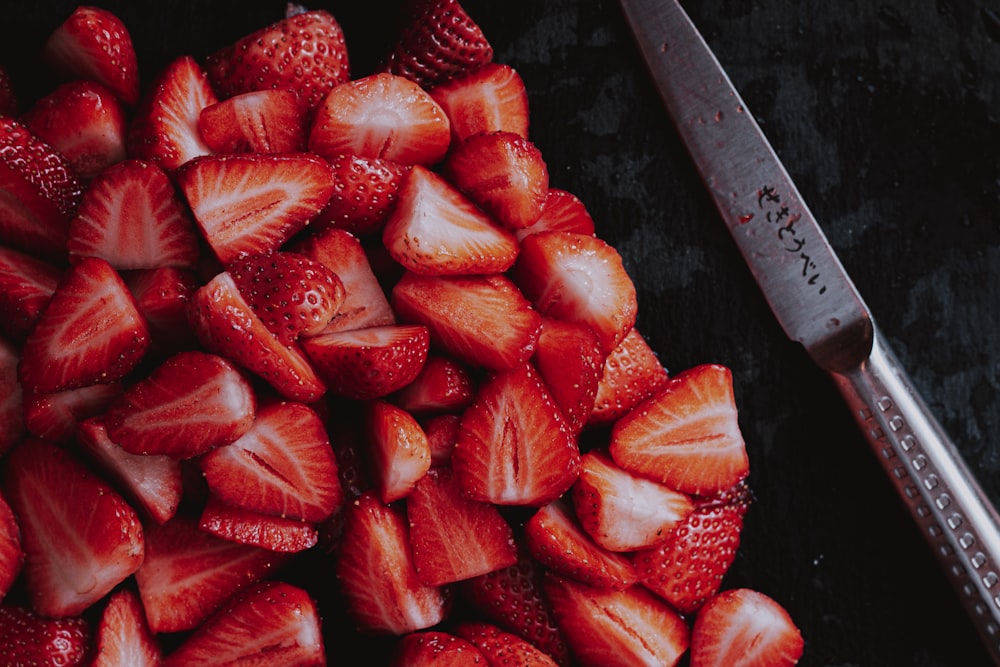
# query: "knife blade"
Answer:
x=818 y=306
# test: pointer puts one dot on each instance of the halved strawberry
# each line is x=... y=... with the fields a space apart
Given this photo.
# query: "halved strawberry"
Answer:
x=514 y=447
x=93 y=43
x=304 y=52
x=632 y=373
x=90 y=331
x=131 y=216
x=55 y=417
x=443 y=385
x=381 y=116
x=364 y=193
x=398 y=450
x=563 y=212
x=569 y=359
x=80 y=537
x=189 y=404
x=435 y=230
x=500 y=647
x=13 y=424
x=687 y=436
x=434 y=648
x=261 y=121
x=267 y=531
x=488 y=99
x=26 y=285
x=163 y=296
x=29 y=639
x=744 y=627
x=251 y=204
x=11 y=554
x=123 y=636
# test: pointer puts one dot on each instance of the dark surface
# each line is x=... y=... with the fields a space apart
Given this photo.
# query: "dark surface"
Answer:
x=886 y=114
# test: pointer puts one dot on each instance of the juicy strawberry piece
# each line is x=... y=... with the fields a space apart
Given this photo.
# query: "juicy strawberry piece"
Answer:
x=503 y=173
x=13 y=424
x=80 y=538
x=90 y=331
x=489 y=99
x=165 y=127
x=398 y=448
x=501 y=648
x=163 y=297
x=483 y=321
x=55 y=417
x=123 y=636
x=190 y=404
x=442 y=434
x=569 y=359
x=93 y=43
x=433 y=648
x=687 y=436
x=85 y=122
x=28 y=639
x=364 y=193
x=11 y=554
x=304 y=53
x=266 y=531
x=609 y=628
x=369 y=363
x=26 y=285
x=743 y=627
x=632 y=373
x=9 y=103
x=131 y=216
x=438 y=42
x=443 y=385
x=262 y=121
x=563 y=212
x=579 y=278
x=284 y=465
x=556 y=539
x=435 y=230
x=251 y=204
x=188 y=573
x=376 y=574
x=514 y=447
x=381 y=116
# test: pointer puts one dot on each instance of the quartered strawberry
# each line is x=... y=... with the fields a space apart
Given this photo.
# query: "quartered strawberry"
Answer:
x=376 y=574
x=251 y=204
x=503 y=173
x=131 y=216
x=55 y=417
x=267 y=531
x=123 y=636
x=364 y=193
x=381 y=116
x=514 y=447
x=569 y=359
x=563 y=212
x=30 y=639
x=501 y=648
x=398 y=449
x=89 y=332
x=11 y=554
x=93 y=43
x=163 y=296
x=742 y=627
x=261 y=121
x=435 y=230
x=26 y=284
x=80 y=537
x=434 y=648
x=439 y=41
x=632 y=373
x=488 y=99
x=617 y=628
x=304 y=52
x=13 y=424
x=443 y=385
x=687 y=435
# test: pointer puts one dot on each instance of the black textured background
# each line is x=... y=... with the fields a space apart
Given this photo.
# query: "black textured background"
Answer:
x=886 y=114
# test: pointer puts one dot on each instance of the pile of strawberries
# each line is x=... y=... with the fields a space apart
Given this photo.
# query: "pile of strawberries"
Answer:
x=259 y=316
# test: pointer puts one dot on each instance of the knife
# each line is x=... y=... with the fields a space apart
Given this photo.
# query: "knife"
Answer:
x=817 y=305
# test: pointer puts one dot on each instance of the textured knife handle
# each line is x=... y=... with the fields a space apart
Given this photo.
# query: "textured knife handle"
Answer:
x=954 y=515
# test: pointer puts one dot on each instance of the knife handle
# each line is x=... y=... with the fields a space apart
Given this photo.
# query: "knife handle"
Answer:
x=955 y=516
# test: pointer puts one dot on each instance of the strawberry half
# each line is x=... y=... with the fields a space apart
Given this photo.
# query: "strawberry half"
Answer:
x=632 y=373
x=569 y=359
x=488 y=99
x=434 y=648
x=743 y=627
x=443 y=385
x=26 y=285
x=262 y=121
x=55 y=417
x=266 y=531
x=364 y=193
x=123 y=636
x=29 y=639
x=398 y=450
x=11 y=555
x=563 y=212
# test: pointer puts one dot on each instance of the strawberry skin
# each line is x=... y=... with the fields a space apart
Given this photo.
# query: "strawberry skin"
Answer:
x=569 y=359
x=123 y=636
x=489 y=99
x=442 y=386
x=365 y=193
x=29 y=639
x=744 y=628
x=632 y=373
x=434 y=648
x=501 y=647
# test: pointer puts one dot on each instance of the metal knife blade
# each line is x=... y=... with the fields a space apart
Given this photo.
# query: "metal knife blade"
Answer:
x=818 y=306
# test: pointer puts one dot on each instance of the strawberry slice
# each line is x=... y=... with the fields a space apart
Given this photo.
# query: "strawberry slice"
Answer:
x=131 y=216
x=569 y=359
x=443 y=385
x=304 y=52
x=435 y=230
x=376 y=573
x=632 y=373
x=26 y=285
x=261 y=121
x=93 y=43
x=744 y=627
x=398 y=448
x=514 y=447
x=55 y=417
x=266 y=531
x=11 y=554
x=29 y=639
x=364 y=194
x=13 y=423
x=501 y=648
x=434 y=648
x=563 y=212
x=251 y=204
x=191 y=403
x=687 y=436
x=284 y=466
x=89 y=332
x=617 y=628
x=381 y=116
x=123 y=636
x=489 y=99
x=80 y=538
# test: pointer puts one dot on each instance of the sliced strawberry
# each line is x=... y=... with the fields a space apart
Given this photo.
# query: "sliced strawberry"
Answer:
x=284 y=465
x=85 y=122
x=164 y=129
x=579 y=278
x=398 y=448
x=26 y=285
x=93 y=43
x=90 y=331
x=439 y=41
x=261 y=121
x=376 y=574
x=483 y=321
x=443 y=385
x=744 y=627
x=364 y=193
x=13 y=424
x=569 y=359
x=488 y=99
x=304 y=52
x=266 y=531
x=632 y=373
x=11 y=554
x=687 y=436
x=503 y=173
x=163 y=296
x=29 y=639
x=563 y=212
x=131 y=216
x=381 y=116
x=514 y=447
x=80 y=538
x=188 y=573
x=123 y=636
x=191 y=403
x=435 y=230
x=501 y=648
x=623 y=628
x=55 y=417
x=434 y=648
x=442 y=434
x=251 y=204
